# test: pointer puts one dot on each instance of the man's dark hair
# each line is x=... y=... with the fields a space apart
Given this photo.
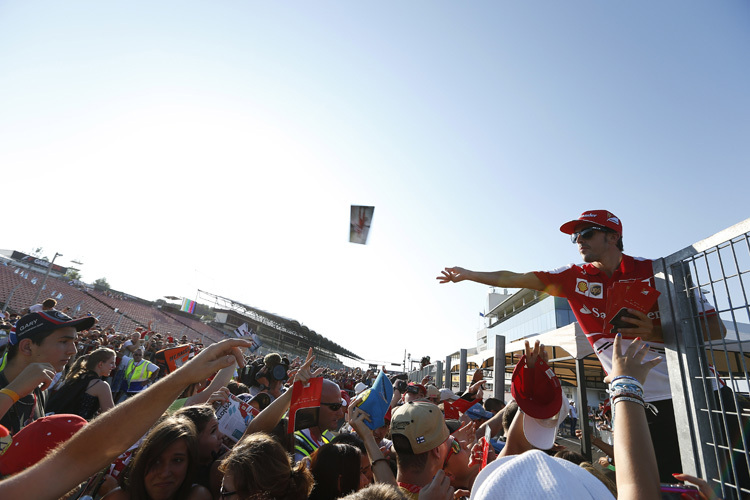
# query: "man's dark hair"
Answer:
x=509 y=412
x=570 y=456
x=37 y=339
x=494 y=405
x=49 y=303
x=351 y=439
x=619 y=244
x=405 y=457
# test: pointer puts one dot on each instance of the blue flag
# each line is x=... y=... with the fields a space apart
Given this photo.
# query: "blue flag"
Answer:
x=377 y=400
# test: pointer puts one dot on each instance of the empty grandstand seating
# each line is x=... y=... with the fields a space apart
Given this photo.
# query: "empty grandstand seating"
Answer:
x=130 y=312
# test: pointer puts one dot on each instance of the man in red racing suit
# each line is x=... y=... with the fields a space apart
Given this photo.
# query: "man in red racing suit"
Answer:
x=598 y=235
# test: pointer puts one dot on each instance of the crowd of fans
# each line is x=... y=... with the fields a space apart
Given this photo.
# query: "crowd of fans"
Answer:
x=89 y=412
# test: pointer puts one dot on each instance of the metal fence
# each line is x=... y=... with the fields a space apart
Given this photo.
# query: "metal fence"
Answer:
x=703 y=354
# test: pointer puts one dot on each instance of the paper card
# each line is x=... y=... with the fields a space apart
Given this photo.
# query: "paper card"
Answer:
x=234 y=417
x=305 y=406
x=486 y=447
x=635 y=295
x=359 y=223
x=450 y=412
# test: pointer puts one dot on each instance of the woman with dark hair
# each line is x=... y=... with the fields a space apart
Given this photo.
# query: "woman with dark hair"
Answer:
x=209 y=444
x=336 y=469
x=258 y=467
x=163 y=466
x=83 y=392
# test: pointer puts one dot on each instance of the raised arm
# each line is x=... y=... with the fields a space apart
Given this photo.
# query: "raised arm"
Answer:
x=380 y=468
x=637 y=473
x=268 y=418
x=220 y=380
x=117 y=429
x=506 y=279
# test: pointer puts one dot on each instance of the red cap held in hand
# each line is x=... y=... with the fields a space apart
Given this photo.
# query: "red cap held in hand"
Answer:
x=536 y=390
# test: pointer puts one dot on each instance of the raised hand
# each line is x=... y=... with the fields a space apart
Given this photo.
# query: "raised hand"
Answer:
x=533 y=354
x=452 y=275
x=212 y=359
x=438 y=489
x=631 y=362
x=304 y=372
x=221 y=396
x=33 y=376
x=357 y=419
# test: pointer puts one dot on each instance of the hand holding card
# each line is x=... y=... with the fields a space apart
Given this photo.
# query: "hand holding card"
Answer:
x=630 y=301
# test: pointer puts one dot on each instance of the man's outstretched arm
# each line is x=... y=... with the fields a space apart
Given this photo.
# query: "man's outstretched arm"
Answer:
x=506 y=279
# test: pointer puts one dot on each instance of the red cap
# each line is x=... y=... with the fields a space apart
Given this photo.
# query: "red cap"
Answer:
x=598 y=217
x=32 y=443
x=536 y=390
x=345 y=396
x=388 y=415
x=422 y=389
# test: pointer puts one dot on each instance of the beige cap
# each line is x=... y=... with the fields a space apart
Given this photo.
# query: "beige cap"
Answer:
x=422 y=423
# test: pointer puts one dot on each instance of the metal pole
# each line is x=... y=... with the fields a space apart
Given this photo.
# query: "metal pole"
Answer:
x=448 y=381
x=583 y=409
x=10 y=297
x=439 y=374
x=46 y=275
x=682 y=355
x=462 y=369
x=498 y=372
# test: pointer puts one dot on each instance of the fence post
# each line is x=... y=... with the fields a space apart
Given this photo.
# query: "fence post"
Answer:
x=439 y=375
x=448 y=383
x=498 y=372
x=683 y=365
x=583 y=409
x=462 y=369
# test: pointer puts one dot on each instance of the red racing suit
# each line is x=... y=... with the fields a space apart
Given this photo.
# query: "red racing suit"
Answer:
x=585 y=287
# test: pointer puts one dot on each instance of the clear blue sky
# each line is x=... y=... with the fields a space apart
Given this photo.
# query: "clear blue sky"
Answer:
x=172 y=146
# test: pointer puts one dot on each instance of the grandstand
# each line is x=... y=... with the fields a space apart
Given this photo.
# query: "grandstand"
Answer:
x=20 y=279
x=276 y=332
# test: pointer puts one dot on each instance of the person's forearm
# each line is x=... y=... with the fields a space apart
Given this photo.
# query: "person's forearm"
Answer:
x=516 y=442
x=637 y=473
x=266 y=420
x=5 y=403
x=381 y=469
x=113 y=432
x=606 y=448
x=221 y=379
x=495 y=424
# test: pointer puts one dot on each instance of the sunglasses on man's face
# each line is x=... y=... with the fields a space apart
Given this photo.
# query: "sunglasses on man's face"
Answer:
x=455 y=450
x=333 y=406
x=587 y=233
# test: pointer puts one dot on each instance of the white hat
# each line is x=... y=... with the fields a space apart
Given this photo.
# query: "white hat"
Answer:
x=541 y=433
x=360 y=387
x=535 y=474
x=447 y=394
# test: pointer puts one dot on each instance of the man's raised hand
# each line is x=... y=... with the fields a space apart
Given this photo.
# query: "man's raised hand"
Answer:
x=33 y=376
x=452 y=275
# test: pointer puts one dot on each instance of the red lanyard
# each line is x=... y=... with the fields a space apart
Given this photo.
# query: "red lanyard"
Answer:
x=411 y=488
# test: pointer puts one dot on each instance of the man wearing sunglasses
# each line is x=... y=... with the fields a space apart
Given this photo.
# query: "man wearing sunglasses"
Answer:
x=598 y=237
x=332 y=410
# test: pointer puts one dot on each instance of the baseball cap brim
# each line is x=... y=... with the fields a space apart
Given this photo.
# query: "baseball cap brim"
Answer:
x=541 y=432
x=570 y=226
